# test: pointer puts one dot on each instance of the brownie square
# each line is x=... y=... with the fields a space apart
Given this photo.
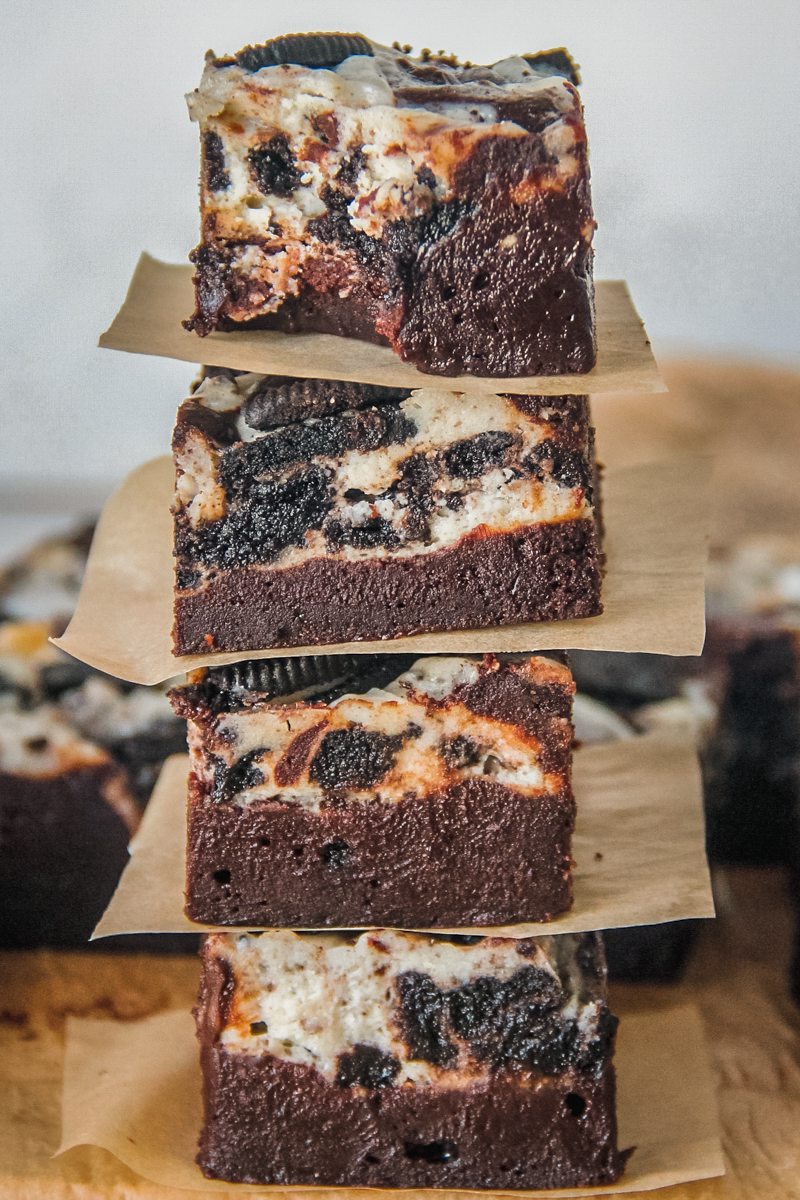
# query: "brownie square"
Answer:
x=312 y=511
x=440 y=797
x=79 y=753
x=440 y=208
x=397 y=1060
x=66 y=817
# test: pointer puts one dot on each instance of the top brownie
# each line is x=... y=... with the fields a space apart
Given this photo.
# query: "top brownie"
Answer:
x=439 y=207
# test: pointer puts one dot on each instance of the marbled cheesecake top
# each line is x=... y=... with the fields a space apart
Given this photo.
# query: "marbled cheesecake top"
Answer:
x=387 y=1008
x=441 y=722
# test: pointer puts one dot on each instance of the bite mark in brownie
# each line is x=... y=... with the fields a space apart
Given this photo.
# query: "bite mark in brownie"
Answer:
x=417 y=1061
x=441 y=799
x=441 y=208
x=362 y=521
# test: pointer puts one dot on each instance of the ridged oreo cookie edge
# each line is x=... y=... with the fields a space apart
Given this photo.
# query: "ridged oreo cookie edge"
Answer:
x=283 y=400
x=320 y=50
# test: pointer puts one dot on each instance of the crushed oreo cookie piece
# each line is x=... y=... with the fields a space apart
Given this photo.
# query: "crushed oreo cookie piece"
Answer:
x=325 y=50
x=244 y=774
x=214 y=166
x=354 y=758
x=366 y=1066
x=331 y=437
x=474 y=456
x=273 y=167
x=570 y=468
x=423 y=1019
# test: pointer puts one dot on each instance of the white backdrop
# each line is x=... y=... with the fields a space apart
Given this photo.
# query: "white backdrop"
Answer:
x=693 y=121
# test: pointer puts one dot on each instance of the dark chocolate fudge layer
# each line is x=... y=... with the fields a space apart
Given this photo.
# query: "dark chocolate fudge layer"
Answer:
x=441 y=797
x=382 y=513
x=397 y=1060
x=443 y=209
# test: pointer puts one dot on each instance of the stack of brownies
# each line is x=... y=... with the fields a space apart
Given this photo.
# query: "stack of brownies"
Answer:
x=442 y=209
x=369 y=814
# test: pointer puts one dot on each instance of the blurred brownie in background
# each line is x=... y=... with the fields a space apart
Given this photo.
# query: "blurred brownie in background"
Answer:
x=652 y=953
x=43 y=583
x=752 y=664
x=66 y=812
x=742 y=701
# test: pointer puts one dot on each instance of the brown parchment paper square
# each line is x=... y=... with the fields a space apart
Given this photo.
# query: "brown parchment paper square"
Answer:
x=161 y=296
x=655 y=519
x=639 y=846
x=134 y=1089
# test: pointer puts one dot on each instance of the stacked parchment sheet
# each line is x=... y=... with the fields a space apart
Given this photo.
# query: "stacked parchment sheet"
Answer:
x=383 y=524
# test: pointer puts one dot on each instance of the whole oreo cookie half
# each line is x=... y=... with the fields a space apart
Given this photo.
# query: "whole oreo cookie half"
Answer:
x=272 y=678
x=280 y=400
x=321 y=50
x=319 y=676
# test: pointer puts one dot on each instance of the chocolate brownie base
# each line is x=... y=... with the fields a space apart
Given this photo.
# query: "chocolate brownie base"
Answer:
x=550 y=572
x=62 y=849
x=476 y=854
x=297 y=1128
